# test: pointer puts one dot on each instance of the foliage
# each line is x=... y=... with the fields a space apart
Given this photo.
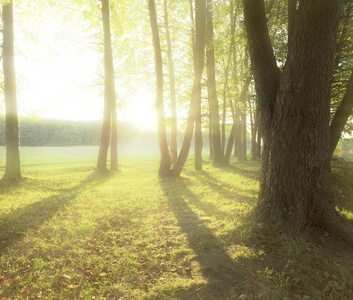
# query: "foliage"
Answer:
x=69 y=233
x=43 y=132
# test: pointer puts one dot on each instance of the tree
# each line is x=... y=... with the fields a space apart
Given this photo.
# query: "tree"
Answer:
x=212 y=92
x=164 y=167
x=341 y=116
x=13 y=163
x=173 y=139
x=294 y=107
x=200 y=8
x=109 y=131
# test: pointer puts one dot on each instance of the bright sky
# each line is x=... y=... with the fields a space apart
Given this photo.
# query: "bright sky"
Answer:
x=58 y=76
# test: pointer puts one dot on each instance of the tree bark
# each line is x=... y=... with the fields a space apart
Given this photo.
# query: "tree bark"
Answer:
x=200 y=8
x=212 y=92
x=109 y=116
x=292 y=9
x=173 y=140
x=13 y=163
x=341 y=116
x=266 y=75
x=164 y=166
x=295 y=113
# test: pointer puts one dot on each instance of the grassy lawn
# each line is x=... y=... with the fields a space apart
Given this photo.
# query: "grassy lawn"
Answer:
x=68 y=233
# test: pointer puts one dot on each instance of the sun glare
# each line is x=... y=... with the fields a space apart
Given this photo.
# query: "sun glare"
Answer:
x=140 y=111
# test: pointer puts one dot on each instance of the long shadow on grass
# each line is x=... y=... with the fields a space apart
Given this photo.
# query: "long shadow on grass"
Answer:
x=251 y=173
x=13 y=226
x=221 y=272
x=228 y=191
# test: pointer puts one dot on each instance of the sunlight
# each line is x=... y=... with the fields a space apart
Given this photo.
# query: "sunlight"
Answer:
x=140 y=110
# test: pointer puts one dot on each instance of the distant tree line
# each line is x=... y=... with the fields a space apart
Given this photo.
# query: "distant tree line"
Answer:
x=55 y=133
x=43 y=132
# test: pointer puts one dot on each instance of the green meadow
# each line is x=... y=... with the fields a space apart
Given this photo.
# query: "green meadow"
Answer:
x=67 y=232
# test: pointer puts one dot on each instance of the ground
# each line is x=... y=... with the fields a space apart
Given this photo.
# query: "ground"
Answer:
x=69 y=233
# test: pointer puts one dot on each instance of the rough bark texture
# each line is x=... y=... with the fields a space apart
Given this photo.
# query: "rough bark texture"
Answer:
x=13 y=163
x=173 y=140
x=295 y=190
x=164 y=167
x=212 y=92
x=266 y=75
x=292 y=10
x=200 y=8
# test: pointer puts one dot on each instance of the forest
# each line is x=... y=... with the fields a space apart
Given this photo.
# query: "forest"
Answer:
x=167 y=149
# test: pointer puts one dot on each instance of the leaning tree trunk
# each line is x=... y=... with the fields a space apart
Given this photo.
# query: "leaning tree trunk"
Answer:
x=200 y=8
x=295 y=191
x=341 y=116
x=13 y=163
x=164 y=166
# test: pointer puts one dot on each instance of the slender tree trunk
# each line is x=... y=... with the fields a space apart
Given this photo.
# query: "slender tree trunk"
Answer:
x=13 y=163
x=243 y=132
x=114 y=166
x=210 y=133
x=164 y=167
x=173 y=142
x=200 y=9
x=212 y=92
x=198 y=135
x=341 y=116
x=296 y=189
x=109 y=99
x=230 y=144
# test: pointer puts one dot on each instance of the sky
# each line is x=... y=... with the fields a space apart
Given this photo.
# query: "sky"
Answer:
x=59 y=74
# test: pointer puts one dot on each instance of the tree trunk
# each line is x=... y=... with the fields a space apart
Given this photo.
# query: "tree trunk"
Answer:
x=114 y=141
x=200 y=8
x=13 y=163
x=109 y=98
x=164 y=167
x=295 y=188
x=198 y=135
x=230 y=144
x=341 y=116
x=242 y=156
x=173 y=141
x=212 y=92
x=266 y=75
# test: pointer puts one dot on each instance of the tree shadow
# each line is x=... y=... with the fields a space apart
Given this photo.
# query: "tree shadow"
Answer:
x=249 y=173
x=14 y=226
x=216 y=265
x=228 y=191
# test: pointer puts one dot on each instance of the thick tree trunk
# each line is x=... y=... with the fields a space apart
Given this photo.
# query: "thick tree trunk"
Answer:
x=164 y=166
x=200 y=8
x=295 y=190
x=173 y=140
x=212 y=92
x=13 y=163
x=109 y=99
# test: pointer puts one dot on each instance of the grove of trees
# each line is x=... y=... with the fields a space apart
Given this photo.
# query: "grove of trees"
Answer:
x=274 y=73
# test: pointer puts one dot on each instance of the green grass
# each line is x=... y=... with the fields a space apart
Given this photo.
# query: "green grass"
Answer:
x=68 y=233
